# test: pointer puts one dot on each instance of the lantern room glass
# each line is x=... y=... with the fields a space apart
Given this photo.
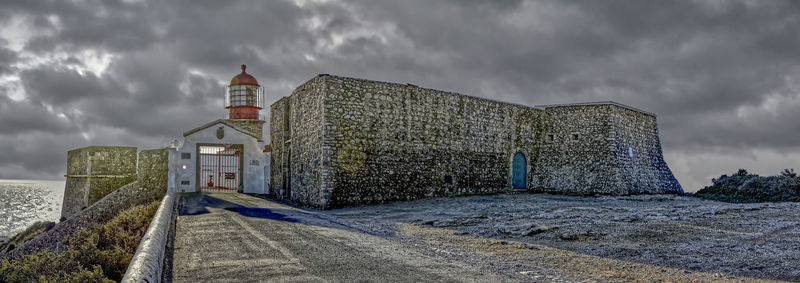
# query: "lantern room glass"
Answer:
x=244 y=95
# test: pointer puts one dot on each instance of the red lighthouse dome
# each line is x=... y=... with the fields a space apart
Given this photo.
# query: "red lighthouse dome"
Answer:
x=244 y=97
x=244 y=78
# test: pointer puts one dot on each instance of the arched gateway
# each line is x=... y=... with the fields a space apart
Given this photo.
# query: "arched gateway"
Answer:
x=519 y=168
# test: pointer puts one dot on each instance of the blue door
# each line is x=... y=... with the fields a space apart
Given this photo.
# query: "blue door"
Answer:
x=518 y=170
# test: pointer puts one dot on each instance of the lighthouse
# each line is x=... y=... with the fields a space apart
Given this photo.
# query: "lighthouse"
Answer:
x=244 y=97
x=226 y=155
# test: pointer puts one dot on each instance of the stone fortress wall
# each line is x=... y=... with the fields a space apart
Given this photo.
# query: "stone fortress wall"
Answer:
x=574 y=151
x=95 y=171
x=342 y=141
x=152 y=170
x=601 y=148
x=300 y=113
x=646 y=171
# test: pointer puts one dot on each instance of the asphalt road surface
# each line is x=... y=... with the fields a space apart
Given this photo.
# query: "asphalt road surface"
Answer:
x=233 y=237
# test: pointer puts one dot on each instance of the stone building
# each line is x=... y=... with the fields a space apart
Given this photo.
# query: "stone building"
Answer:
x=225 y=155
x=340 y=141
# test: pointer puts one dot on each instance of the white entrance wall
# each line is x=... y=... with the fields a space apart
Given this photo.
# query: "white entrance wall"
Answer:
x=185 y=170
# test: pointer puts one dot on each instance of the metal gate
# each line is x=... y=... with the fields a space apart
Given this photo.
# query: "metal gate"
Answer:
x=219 y=168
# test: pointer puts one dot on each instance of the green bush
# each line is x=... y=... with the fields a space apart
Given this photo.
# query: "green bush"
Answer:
x=10 y=246
x=101 y=254
x=744 y=187
x=29 y=233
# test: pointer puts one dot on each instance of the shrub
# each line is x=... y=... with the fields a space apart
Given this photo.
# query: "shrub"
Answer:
x=29 y=233
x=10 y=246
x=101 y=254
x=746 y=187
x=789 y=173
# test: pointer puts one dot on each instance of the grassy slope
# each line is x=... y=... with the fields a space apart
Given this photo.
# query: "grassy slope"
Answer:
x=101 y=254
x=30 y=232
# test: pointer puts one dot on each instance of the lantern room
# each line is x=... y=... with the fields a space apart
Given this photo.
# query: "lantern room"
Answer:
x=244 y=97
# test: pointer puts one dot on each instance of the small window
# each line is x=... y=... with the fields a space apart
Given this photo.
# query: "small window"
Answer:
x=186 y=155
x=575 y=136
x=447 y=180
x=185 y=182
x=551 y=137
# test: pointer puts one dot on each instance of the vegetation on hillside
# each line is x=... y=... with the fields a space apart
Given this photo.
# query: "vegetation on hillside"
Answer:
x=745 y=187
x=101 y=254
x=32 y=231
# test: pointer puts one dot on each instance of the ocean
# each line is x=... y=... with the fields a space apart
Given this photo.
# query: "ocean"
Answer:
x=23 y=202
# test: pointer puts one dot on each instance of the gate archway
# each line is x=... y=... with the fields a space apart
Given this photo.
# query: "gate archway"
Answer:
x=519 y=169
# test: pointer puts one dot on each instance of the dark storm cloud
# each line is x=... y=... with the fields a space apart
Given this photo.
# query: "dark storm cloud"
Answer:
x=109 y=25
x=36 y=155
x=722 y=76
x=7 y=58
x=57 y=86
x=23 y=117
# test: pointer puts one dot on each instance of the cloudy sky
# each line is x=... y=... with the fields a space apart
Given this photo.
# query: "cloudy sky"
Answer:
x=722 y=76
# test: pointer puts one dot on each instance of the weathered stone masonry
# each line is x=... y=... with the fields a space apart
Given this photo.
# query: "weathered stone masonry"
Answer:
x=301 y=113
x=95 y=171
x=341 y=141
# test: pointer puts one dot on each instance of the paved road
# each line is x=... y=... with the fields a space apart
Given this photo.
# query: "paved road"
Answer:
x=234 y=237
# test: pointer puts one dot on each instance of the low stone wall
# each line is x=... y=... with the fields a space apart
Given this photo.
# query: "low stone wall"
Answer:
x=148 y=262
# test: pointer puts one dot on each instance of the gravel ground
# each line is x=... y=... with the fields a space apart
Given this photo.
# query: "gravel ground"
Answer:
x=565 y=238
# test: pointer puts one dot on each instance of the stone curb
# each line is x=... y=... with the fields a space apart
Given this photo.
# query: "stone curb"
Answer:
x=147 y=263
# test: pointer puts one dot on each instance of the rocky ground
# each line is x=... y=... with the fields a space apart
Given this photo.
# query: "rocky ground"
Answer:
x=633 y=238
